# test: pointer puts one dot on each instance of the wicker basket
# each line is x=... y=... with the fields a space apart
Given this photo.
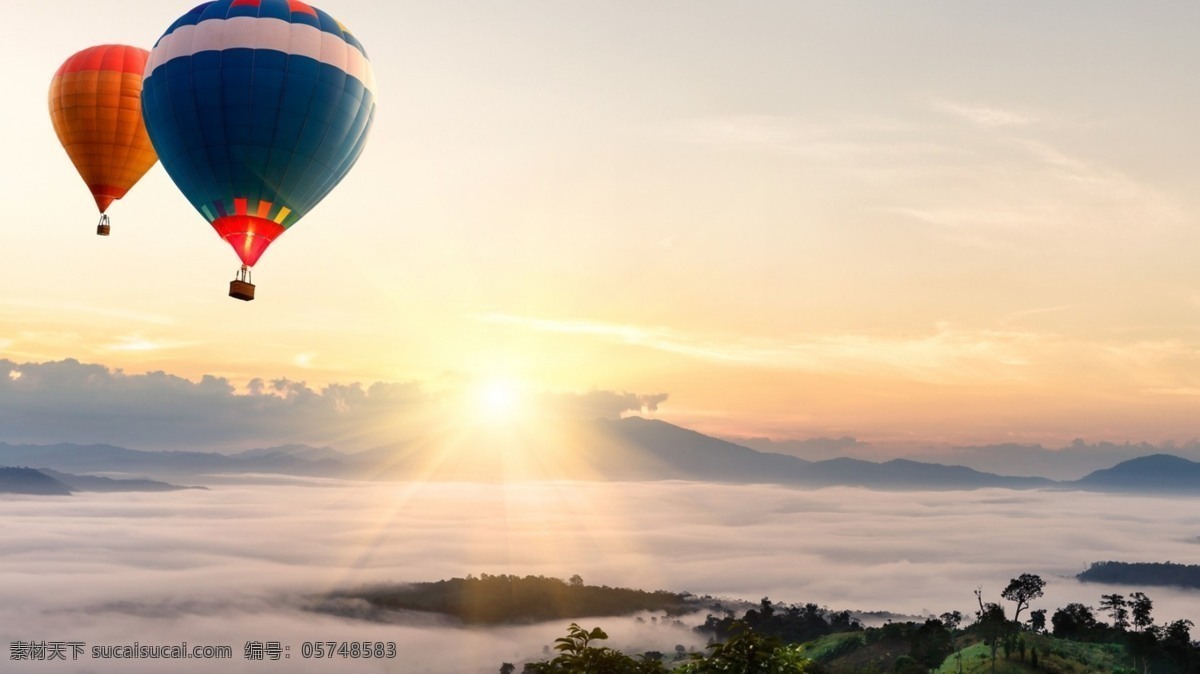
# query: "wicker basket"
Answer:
x=241 y=290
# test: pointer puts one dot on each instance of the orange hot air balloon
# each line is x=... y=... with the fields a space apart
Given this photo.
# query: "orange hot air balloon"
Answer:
x=96 y=108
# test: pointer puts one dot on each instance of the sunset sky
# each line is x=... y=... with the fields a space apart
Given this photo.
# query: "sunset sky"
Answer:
x=906 y=222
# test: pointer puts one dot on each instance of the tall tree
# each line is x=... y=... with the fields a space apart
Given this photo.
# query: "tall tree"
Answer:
x=1141 y=606
x=991 y=624
x=1022 y=590
x=1117 y=609
x=952 y=620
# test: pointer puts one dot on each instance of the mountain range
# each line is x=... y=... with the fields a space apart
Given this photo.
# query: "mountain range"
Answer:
x=46 y=482
x=1069 y=462
x=629 y=449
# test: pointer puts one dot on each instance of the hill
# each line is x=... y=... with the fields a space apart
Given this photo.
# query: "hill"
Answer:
x=46 y=482
x=306 y=452
x=100 y=458
x=1069 y=462
x=492 y=600
x=1053 y=655
x=637 y=449
x=666 y=451
x=108 y=484
x=1143 y=573
x=30 y=481
x=1157 y=472
x=762 y=641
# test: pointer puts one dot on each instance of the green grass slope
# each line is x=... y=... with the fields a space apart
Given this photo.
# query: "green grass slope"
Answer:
x=1055 y=656
x=849 y=653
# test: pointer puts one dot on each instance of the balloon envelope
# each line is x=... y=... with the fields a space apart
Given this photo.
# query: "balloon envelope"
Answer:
x=257 y=108
x=95 y=106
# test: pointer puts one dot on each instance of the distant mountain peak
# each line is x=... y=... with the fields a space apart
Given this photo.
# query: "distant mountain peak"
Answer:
x=30 y=481
x=1156 y=472
x=297 y=451
x=1158 y=460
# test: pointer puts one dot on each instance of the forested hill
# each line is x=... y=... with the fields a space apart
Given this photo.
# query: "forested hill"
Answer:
x=1143 y=573
x=491 y=600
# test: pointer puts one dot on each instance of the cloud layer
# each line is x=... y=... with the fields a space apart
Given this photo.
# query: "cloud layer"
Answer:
x=235 y=563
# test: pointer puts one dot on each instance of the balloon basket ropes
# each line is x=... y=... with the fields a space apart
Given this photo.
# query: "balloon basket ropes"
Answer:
x=103 y=228
x=241 y=288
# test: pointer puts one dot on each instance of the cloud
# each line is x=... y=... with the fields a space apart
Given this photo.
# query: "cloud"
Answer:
x=1005 y=176
x=986 y=116
x=1186 y=391
x=603 y=404
x=69 y=401
x=948 y=353
x=656 y=337
x=845 y=141
x=1019 y=182
x=240 y=562
x=741 y=130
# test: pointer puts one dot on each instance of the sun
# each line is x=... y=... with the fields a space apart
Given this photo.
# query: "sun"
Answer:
x=499 y=399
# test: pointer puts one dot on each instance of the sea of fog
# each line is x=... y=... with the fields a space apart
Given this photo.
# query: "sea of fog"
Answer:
x=239 y=561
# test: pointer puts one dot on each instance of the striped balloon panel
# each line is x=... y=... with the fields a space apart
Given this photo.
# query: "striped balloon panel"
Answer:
x=258 y=109
x=95 y=107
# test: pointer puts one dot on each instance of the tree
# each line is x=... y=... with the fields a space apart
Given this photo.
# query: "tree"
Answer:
x=930 y=643
x=507 y=668
x=1074 y=621
x=576 y=581
x=768 y=609
x=991 y=624
x=1175 y=641
x=747 y=652
x=906 y=664
x=952 y=620
x=1143 y=646
x=1037 y=620
x=1116 y=607
x=1179 y=632
x=578 y=655
x=842 y=621
x=744 y=652
x=1141 y=606
x=1022 y=590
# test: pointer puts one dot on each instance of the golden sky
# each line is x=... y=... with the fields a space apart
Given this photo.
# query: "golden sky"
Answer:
x=947 y=222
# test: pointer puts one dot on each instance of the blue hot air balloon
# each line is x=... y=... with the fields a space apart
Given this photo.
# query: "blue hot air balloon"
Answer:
x=257 y=109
